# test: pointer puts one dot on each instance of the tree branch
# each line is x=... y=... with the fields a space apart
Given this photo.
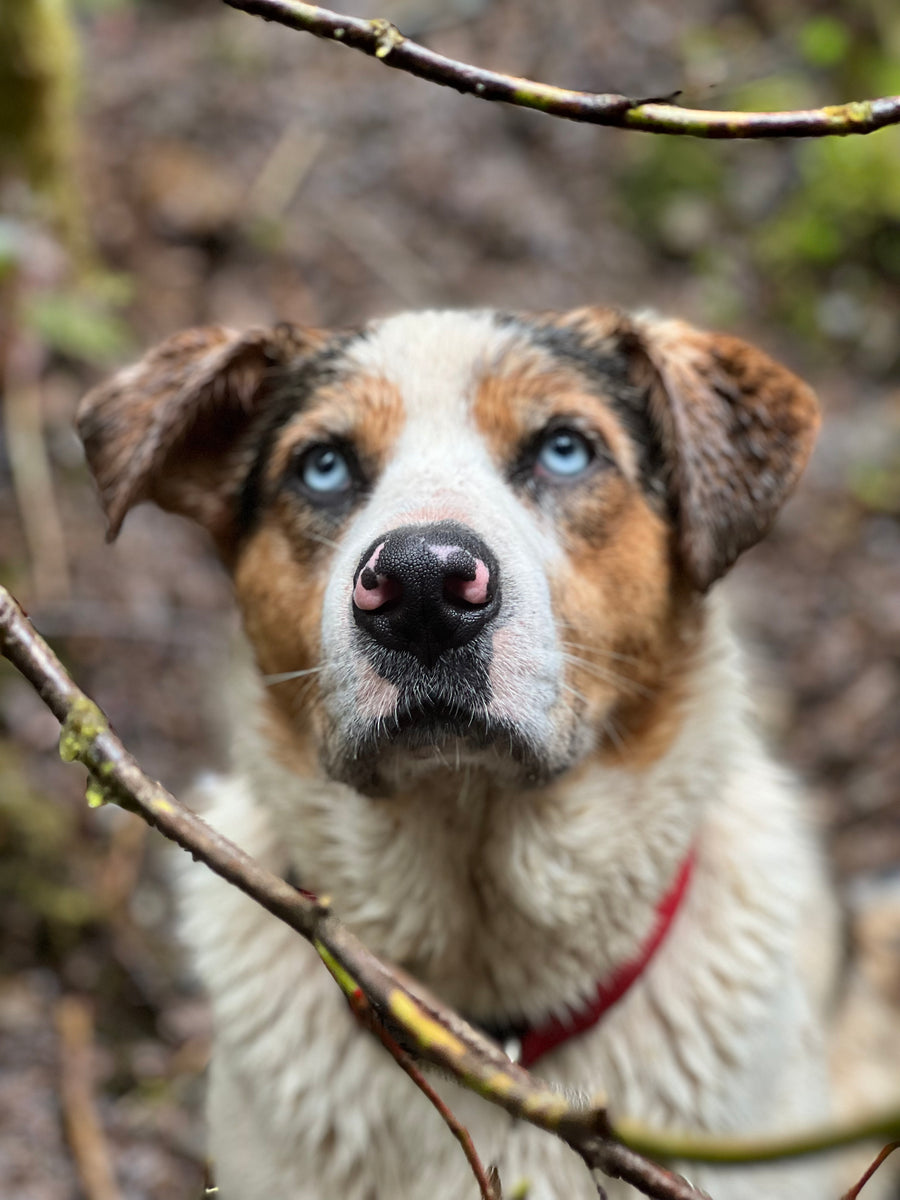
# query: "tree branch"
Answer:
x=382 y=40
x=853 y=1192
x=392 y=1002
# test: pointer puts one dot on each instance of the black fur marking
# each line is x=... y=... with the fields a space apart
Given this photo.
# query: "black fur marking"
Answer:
x=606 y=365
x=289 y=390
x=459 y=681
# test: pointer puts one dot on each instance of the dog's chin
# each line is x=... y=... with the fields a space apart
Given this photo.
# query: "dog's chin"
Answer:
x=426 y=739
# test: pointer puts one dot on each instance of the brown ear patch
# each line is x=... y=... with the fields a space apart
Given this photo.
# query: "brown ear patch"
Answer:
x=736 y=428
x=721 y=430
x=167 y=428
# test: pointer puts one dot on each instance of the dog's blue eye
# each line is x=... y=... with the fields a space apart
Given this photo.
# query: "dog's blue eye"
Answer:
x=564 y=453
x=325 y=471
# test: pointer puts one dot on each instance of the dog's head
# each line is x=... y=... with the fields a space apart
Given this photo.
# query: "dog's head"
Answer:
x=463 y=537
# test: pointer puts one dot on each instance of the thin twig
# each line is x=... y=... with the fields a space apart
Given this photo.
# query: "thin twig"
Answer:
x=363 y=1012
x=397 y=1004
x=83 y=1127
x=382 y=40
x=853 y=1193
x=721 y=1150
x=456 y=1127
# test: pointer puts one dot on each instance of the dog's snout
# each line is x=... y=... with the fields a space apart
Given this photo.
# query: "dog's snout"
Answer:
x=426 y=589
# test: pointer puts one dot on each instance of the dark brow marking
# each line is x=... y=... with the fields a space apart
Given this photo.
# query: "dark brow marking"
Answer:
x=290 y=390
x=604 y=363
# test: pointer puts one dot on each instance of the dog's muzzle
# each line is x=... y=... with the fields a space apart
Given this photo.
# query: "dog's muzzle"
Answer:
x=424 y=590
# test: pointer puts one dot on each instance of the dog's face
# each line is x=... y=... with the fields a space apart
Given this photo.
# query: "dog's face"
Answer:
x=463 y=538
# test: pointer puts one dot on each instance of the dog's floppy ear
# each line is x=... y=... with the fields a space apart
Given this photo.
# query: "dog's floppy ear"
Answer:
x=736 y=430
x=169 y=428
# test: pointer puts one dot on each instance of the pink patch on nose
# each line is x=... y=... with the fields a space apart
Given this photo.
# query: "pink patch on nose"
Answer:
x=473 y=591
x=373 y=591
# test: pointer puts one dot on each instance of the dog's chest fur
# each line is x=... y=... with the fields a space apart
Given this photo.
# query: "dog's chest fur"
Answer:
x=490 y=711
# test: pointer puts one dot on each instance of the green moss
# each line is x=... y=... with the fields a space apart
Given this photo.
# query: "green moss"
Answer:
x=36 y=829
x=80 y=324
x=843 y=208
x=95 y=794
x=76 y=737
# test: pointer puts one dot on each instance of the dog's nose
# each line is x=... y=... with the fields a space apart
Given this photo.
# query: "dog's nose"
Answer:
x=426 y=589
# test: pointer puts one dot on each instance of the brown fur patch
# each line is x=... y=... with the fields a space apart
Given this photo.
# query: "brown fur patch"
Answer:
x=526 y=390
x=280 y=596
x=626 y=627
x=294 y=747
x=598 y=326
x=366 y=410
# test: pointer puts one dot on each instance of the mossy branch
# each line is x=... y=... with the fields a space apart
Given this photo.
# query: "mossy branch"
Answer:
x=383 y=41
x=398 y=1009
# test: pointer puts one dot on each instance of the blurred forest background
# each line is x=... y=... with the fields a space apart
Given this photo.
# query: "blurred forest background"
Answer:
x=169 y=162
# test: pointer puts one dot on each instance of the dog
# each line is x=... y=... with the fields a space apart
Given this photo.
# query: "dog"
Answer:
x=492 y=708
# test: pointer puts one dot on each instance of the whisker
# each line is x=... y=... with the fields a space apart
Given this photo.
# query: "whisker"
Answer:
x=325 y=541
x=608 y=676
x=305 y=692
x=602 y=650
x=284 y=676
x=609 y=728
x=566 y=687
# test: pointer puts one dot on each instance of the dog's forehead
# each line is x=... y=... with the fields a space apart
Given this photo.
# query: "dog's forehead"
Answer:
x=433 y=359
x=469 y=386
x=438 y=465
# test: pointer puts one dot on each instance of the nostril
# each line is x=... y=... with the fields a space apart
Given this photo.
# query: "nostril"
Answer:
x=375 y=591
x=475 y=591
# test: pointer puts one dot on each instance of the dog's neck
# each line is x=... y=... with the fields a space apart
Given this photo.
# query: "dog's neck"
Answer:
x=465 y=882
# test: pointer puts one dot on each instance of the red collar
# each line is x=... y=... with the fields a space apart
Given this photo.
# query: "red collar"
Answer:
x=527 y=1045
